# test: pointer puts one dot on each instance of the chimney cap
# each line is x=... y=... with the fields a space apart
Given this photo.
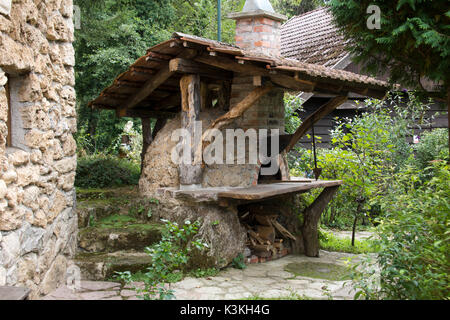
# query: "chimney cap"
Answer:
x=257 y=8
x=252 y=5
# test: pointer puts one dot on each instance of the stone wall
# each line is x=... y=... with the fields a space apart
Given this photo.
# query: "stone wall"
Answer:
x=37 y=222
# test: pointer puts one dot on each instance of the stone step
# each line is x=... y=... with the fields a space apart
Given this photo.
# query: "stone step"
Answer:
x=129 y=192
x=108 y=238
x=102 y=266
x=88 y=211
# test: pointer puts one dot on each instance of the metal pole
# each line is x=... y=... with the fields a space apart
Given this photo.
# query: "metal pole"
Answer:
x=219 y=20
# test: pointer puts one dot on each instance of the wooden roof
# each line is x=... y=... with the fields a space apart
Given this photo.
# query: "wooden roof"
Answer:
x=151 y=84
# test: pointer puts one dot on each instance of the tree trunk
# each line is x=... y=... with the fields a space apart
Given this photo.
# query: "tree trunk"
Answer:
x=311 y=221
x=448 y=116
x=146 y=138
x=358 y=211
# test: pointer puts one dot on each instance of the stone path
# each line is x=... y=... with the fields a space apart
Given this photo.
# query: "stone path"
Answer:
x=359 y=235
x=267 y=280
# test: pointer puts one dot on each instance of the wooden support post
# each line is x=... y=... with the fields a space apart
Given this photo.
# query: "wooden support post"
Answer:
x=311 y=221
x=146 y=138
x=191 y=174
x=160 y=123
x=224 y=95
x=316 y=116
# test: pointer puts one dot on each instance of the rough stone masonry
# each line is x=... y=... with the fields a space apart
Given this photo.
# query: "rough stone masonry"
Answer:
x=38 y=224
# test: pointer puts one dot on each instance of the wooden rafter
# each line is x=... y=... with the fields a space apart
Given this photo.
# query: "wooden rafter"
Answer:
x=313 y=118
x=279 y=79
x=189 y=66
x=150 y=85
x=236 y=111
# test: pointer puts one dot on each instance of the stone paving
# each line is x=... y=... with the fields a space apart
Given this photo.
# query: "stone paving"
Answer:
x=266 y=280
x=359 y=235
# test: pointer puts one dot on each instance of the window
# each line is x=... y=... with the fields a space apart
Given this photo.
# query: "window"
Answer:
x=15 y=122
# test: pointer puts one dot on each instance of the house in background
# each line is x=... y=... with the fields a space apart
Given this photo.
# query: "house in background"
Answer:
x=314 y=38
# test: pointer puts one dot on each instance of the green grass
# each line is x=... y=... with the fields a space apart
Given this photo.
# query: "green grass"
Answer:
x=329 y=242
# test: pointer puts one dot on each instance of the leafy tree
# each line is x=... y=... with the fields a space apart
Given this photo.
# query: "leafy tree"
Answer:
x=295 y=7
x=114 y=33
x=413 y=41
x=413 y=240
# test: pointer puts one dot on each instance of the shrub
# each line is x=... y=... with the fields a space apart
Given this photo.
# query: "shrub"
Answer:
x=432 y=146
x=101 y=171
x=168 y=256
x=414 y=241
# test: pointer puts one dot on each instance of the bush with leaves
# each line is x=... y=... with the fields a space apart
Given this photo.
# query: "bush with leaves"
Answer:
x=169 y=255
x=102 y=171
x=413 y=240
x=433 y=145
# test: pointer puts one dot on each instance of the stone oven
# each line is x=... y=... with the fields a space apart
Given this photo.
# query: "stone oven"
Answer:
x=218 y=94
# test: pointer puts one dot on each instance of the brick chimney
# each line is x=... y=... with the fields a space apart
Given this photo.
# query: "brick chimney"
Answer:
x=258 y=27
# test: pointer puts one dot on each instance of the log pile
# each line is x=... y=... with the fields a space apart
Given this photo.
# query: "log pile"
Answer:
x=266 y=236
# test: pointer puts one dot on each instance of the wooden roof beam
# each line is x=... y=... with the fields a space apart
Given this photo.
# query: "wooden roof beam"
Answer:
x=150 y=85
x=191 y=67
x=148 y=113
x=313 y=118
x=250 y=69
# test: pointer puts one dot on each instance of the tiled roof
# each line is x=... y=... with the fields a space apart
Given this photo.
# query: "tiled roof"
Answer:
x=313 y=38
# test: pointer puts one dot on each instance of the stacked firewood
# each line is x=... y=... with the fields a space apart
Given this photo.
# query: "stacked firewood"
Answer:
x=265 y=234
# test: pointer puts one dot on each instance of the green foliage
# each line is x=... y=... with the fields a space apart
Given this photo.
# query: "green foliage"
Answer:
x=238 y=262
x=113 y=34
x=330 y=242
x=292 y=8
x=413 y=40
x=203 y=273
x=292 y=105
x=368 y=151
x=414 y=240
x=433 y=146
x=100 y=171
x=168 y=256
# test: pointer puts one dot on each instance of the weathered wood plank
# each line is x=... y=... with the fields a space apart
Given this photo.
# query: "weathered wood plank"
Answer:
x=238 y=110
x=163 y=74
x=283 y=230
x=192 y=67
x=190 y=173
x=148 y=113
x=224 y=94
x=313 y=118
x=262 y=191
x=146 y=138
x=249 y=69
x=160 y=123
